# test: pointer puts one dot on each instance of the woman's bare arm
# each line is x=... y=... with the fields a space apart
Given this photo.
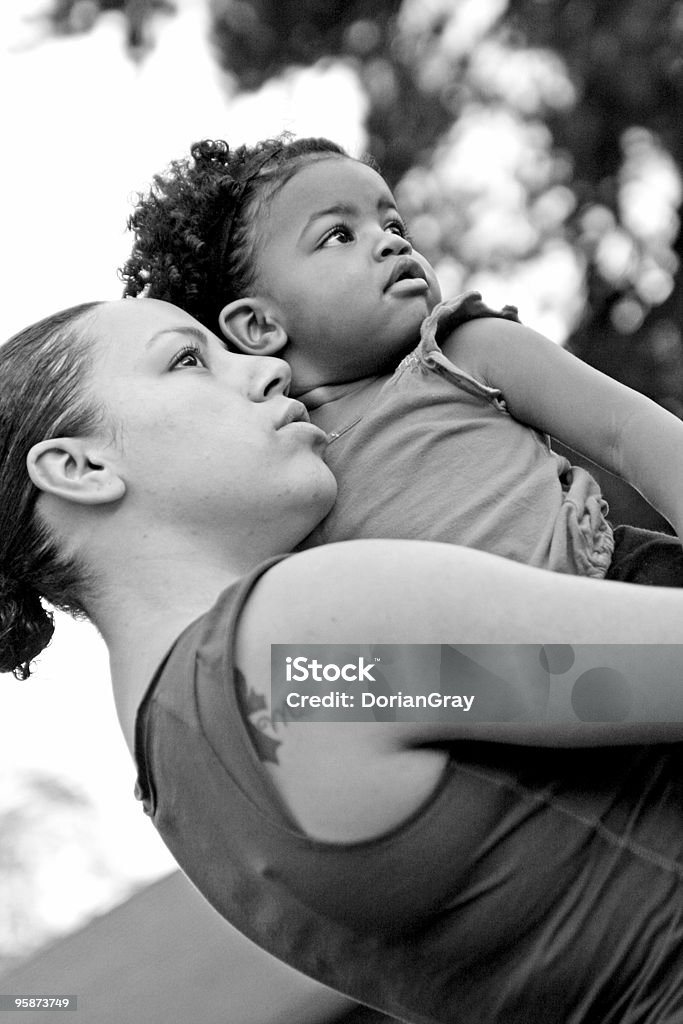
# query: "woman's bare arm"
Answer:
x=349 y=781
x=413 y=592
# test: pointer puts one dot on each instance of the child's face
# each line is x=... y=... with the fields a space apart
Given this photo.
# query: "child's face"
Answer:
x=347 y=286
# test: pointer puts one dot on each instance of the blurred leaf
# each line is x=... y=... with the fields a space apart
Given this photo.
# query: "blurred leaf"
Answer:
x=71 y=17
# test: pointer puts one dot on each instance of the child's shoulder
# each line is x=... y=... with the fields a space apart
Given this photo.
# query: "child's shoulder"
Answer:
x=468 y=333
x=451 y=314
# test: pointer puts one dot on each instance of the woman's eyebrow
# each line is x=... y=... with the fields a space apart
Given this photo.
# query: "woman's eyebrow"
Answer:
x=185 y=329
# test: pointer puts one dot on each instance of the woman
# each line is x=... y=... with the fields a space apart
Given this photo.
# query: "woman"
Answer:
x=151 y=480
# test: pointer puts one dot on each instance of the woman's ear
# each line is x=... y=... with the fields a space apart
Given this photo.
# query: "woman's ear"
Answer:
x=252 y=327
x=75 y=469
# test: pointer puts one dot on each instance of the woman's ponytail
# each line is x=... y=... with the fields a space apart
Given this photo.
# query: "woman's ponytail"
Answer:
x=26 y=627
x=44 y=373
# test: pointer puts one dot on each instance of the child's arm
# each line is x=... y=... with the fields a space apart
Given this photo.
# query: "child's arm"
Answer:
x=553 y=391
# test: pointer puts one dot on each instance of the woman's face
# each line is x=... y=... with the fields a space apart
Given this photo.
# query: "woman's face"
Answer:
x=203 y=436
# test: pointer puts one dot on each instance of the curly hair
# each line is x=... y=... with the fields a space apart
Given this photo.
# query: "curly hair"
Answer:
x=43 y=370
x=196 y=231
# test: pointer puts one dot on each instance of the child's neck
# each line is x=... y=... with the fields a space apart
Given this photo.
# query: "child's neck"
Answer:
x=334 y=407
x=316 y=384
x=322 y=394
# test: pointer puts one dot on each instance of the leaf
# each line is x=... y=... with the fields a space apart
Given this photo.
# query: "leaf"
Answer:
x=250 y=703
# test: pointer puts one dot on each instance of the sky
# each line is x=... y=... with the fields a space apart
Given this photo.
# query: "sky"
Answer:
x=84 y=128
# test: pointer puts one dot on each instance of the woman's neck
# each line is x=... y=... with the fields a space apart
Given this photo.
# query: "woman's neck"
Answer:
x=140 y=615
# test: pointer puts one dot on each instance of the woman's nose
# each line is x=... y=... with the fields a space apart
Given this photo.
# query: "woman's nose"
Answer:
x=391 y=244
x=267 y=377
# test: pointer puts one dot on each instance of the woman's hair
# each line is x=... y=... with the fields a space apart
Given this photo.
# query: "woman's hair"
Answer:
x=196 y=232
x=42 y=395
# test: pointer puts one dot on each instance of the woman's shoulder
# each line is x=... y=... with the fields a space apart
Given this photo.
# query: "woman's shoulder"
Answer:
x=371 y=591
x=352 y=585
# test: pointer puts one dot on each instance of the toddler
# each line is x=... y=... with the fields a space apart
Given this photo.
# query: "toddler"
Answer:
x=438 y=413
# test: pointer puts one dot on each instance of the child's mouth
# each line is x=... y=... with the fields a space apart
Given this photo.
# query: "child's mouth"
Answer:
x=407 y=276
x=409 y=286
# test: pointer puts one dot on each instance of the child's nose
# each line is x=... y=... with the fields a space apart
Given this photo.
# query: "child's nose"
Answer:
x=391 y=244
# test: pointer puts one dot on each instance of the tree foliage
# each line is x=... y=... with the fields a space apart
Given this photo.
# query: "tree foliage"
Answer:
x=71 y=17
x=626 y=61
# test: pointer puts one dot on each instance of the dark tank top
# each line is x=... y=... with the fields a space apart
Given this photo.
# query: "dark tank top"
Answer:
x=534 y=885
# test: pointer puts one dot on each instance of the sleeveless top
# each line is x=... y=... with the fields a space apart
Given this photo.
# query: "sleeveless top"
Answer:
x=532 y=886
x=432 y=453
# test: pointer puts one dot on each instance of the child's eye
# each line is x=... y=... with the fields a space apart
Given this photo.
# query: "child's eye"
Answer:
x=189 y=356
x=340 y=234
x=398 y=227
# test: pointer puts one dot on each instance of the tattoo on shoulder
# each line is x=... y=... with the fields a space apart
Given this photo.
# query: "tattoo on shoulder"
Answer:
x=259 y=724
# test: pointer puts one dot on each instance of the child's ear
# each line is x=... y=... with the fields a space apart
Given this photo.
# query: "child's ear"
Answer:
x=74 y=469
x=253 y=327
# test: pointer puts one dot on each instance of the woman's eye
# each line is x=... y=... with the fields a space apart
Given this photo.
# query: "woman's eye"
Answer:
x=187 y=357
x=338 y=235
